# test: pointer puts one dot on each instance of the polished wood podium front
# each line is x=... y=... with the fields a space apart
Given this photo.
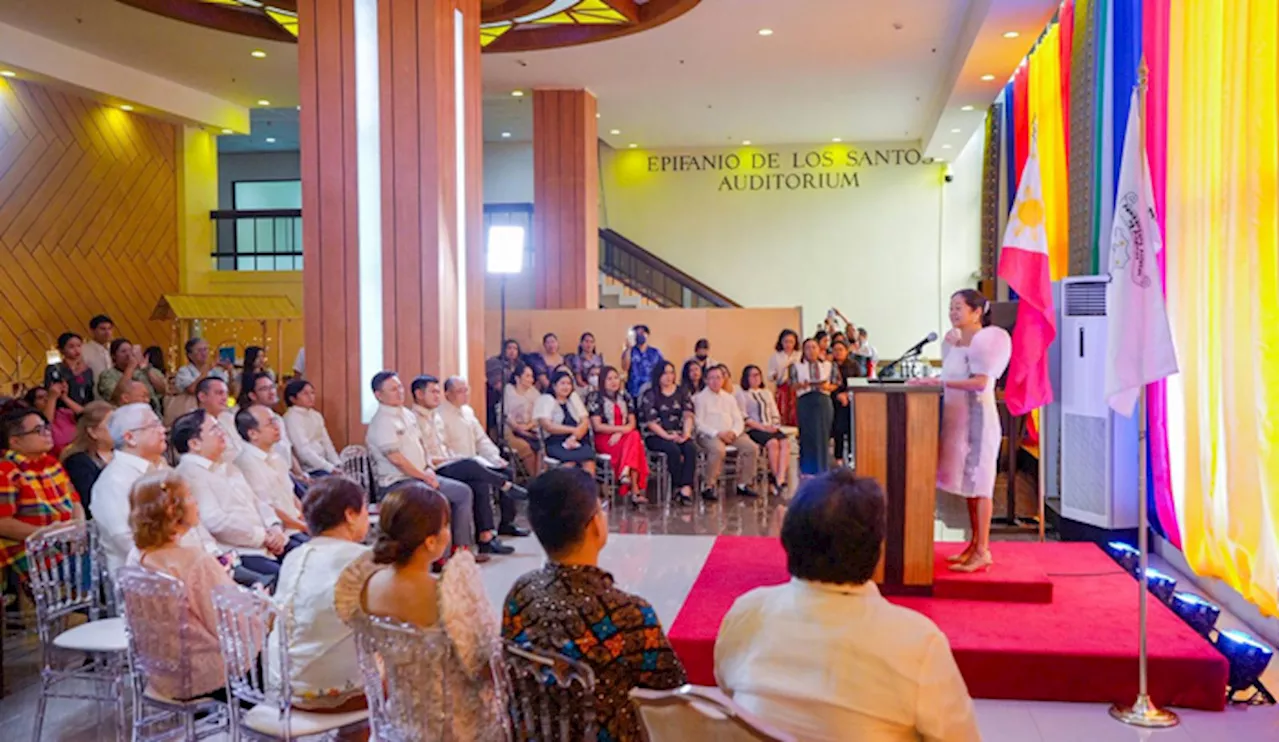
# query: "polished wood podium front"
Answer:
x=895 y=442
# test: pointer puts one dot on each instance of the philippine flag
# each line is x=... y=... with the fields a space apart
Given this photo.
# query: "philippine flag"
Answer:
x=1024 y=265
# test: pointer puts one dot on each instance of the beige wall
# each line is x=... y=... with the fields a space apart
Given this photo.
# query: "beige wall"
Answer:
x=738 y=336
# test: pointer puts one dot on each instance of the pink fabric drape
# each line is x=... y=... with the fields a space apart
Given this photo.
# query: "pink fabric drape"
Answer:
x=1066 y=37
x=1021 y=125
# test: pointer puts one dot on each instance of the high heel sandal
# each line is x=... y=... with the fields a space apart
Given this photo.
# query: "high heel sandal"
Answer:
x=962 y=556
x=975 y=563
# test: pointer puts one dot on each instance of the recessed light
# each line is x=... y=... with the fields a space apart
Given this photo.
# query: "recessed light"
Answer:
x=955 y=131
x=837 y=140
x=299 y=108
x=633 y=145
x=506 y=135
x=126 y=107
x=264 y=102
x=1010 y=34
x=258 y=54
x=765 y=32
x=746 y=142
x=615 y=132
x=270 y=140
x=227 y=131
x=946 y=146
x=597 y=115
x=987 y=78
x=966 y=108
x=517 y=93
x=8 y=73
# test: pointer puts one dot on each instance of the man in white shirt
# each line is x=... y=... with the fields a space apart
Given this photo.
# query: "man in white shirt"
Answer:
x=200 y=366
x=864 y=669
x=464 y=436
x=307 y=431
x=95 y=352
x=211 y=396
x=865 y=348
x=398 y=454
x=264 y=392
x=264 y=470
x=718 y=424
x=238 y=520
x=138 y=435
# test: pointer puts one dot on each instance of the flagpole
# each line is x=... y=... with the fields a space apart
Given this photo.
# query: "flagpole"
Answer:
x=1143 y=712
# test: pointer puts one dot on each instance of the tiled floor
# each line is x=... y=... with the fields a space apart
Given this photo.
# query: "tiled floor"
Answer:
x=647 y=556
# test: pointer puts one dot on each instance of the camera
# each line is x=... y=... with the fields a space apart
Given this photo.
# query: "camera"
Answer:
x=946 y=174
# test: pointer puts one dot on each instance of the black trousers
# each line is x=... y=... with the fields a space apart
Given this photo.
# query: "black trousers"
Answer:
x=482 y=481
x=814 y=413
x=682 y=458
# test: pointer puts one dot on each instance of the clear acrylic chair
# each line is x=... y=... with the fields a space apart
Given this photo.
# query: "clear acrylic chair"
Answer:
x=63 y=583
x=660 y=476
x=404 y=679
x=245 y=619
x=155 y=613
x=354 y=464
x=693 y=712
x=106 y=585
x=550 y=698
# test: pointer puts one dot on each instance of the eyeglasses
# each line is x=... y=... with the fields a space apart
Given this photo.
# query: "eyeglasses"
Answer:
x=41 y=429
x=149 y=426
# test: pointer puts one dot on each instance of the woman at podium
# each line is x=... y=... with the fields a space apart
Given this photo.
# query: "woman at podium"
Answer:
x=974 y=356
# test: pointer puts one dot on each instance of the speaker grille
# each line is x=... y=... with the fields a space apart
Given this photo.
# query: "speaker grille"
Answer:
x=1084 y=456
x=1085 y=299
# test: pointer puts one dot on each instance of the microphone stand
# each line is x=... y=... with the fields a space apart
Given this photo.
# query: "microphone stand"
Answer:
x=909 y=355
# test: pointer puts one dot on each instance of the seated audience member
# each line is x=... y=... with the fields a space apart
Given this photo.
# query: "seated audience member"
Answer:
x=264 y=470
x=97 y=352
x=691 y=378
x=727 y=378
x=639 y=359
x=73 y=369
x=497 y=374
x=843 y=366
x=866 y=669
x=155 y=359
x=464 y=437
x=35 y=490
x=563 y=418
x=234 y=515
x=261 y=390
x=446 y=463
x=585 y=361
x=305 y=426
x=398 y=453
x=666 y=414
x=570 y=606
x=90 y=451
x=824 y=345
x=719 y=424
x=519 y=399
x=52 y=402
x=702 y=355
x=322 y=651
x=545 y=361
x=212 y=394
x=201 y=365
x=764 y=424
x=396 y=582
x=613 y=418
x=162 y=511
x=133 y=391
x=127 y=362
x=255 y=362
x=138 y=436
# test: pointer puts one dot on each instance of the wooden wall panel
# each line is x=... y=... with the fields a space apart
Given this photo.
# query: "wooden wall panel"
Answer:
x=88 y=222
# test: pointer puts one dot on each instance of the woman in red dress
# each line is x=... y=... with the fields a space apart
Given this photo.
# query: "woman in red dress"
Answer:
x=786 y=354
x=613 y=418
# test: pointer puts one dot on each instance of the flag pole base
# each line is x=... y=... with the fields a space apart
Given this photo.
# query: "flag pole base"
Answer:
x=1144 y=713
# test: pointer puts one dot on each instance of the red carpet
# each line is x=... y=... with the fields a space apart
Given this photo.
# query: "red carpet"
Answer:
x=1082 y=646
x=1021 y=577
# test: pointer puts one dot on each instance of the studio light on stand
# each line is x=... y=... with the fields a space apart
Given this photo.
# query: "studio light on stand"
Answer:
x=504 y=256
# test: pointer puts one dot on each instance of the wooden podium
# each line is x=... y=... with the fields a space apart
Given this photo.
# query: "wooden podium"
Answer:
x=895 y=442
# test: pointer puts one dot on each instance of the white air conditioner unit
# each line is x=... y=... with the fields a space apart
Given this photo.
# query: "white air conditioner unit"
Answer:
x=1098 y=479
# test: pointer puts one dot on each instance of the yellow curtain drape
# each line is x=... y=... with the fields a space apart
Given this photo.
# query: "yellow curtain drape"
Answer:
x=1044 y=109
x=1221 y=230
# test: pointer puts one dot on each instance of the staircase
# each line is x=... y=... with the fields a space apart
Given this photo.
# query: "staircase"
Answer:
x=632 y=277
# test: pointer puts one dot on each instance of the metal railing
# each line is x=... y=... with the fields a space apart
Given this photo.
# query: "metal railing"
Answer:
x=257 y=240
x=652 y=277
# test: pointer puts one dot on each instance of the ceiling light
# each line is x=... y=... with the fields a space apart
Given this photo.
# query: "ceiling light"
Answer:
x=258 y=54
x=506 y=135
x=126 y=107
x=299 y=108
x=264 y=102
x=765 y=32
x=271 y=140
x=517 y=93
x=746 y=142
x=987 y=78
x=837 y=140
x=227 y=131
x=1011 y=34
x=633 y=145
x=8 y=73
x=946 y=146
x=955 y=131
x=966 y=108
x=597 y=115
x=615 y=132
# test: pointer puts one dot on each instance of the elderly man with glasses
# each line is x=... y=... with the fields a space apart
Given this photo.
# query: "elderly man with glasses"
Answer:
x=35 y=490
x=138 y=436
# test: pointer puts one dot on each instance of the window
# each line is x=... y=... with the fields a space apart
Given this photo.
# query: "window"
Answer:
x=263 y=231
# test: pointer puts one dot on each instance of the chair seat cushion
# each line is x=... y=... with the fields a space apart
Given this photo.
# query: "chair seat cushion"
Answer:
x=103 y=635
x=154 y=695
x=265 y=719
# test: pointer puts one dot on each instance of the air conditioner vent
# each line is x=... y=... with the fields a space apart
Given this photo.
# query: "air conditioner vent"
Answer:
x=1084 y=299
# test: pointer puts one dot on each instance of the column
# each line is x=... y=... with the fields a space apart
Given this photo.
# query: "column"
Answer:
x=565 y=200
x=393 y=267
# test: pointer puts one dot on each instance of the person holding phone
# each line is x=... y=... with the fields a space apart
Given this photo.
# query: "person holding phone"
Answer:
x=200 y=365
x=639 y=359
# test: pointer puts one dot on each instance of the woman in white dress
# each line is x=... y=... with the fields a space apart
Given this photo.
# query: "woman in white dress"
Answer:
x=974 y=356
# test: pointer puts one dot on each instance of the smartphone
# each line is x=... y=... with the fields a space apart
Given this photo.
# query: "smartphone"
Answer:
x=227 y=355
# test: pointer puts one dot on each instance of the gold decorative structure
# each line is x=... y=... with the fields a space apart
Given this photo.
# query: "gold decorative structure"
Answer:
x=184 y=310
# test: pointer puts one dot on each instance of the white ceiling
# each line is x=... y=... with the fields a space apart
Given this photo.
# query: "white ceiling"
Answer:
x=862 y=70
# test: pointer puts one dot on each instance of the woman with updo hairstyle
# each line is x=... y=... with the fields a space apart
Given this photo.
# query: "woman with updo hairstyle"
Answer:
x=974 y=356
x=395 y=581
x=161 y=512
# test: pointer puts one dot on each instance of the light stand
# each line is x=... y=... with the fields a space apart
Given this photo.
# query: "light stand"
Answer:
x=505 y=256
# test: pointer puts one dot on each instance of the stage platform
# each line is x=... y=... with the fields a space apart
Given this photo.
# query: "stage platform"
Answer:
x=1049 y=622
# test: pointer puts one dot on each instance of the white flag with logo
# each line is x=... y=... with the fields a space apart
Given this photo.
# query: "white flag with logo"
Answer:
x=1139 y=342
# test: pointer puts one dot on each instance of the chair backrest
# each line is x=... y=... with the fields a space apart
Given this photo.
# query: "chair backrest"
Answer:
x=693 y=712
x=551 y=698
x=355 y=464
x=63 y=577
x=154 y=606
x=107 y=587
x=403 y=667
x=245 y=618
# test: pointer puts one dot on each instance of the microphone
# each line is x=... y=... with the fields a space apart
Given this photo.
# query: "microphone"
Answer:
x=913 y=351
